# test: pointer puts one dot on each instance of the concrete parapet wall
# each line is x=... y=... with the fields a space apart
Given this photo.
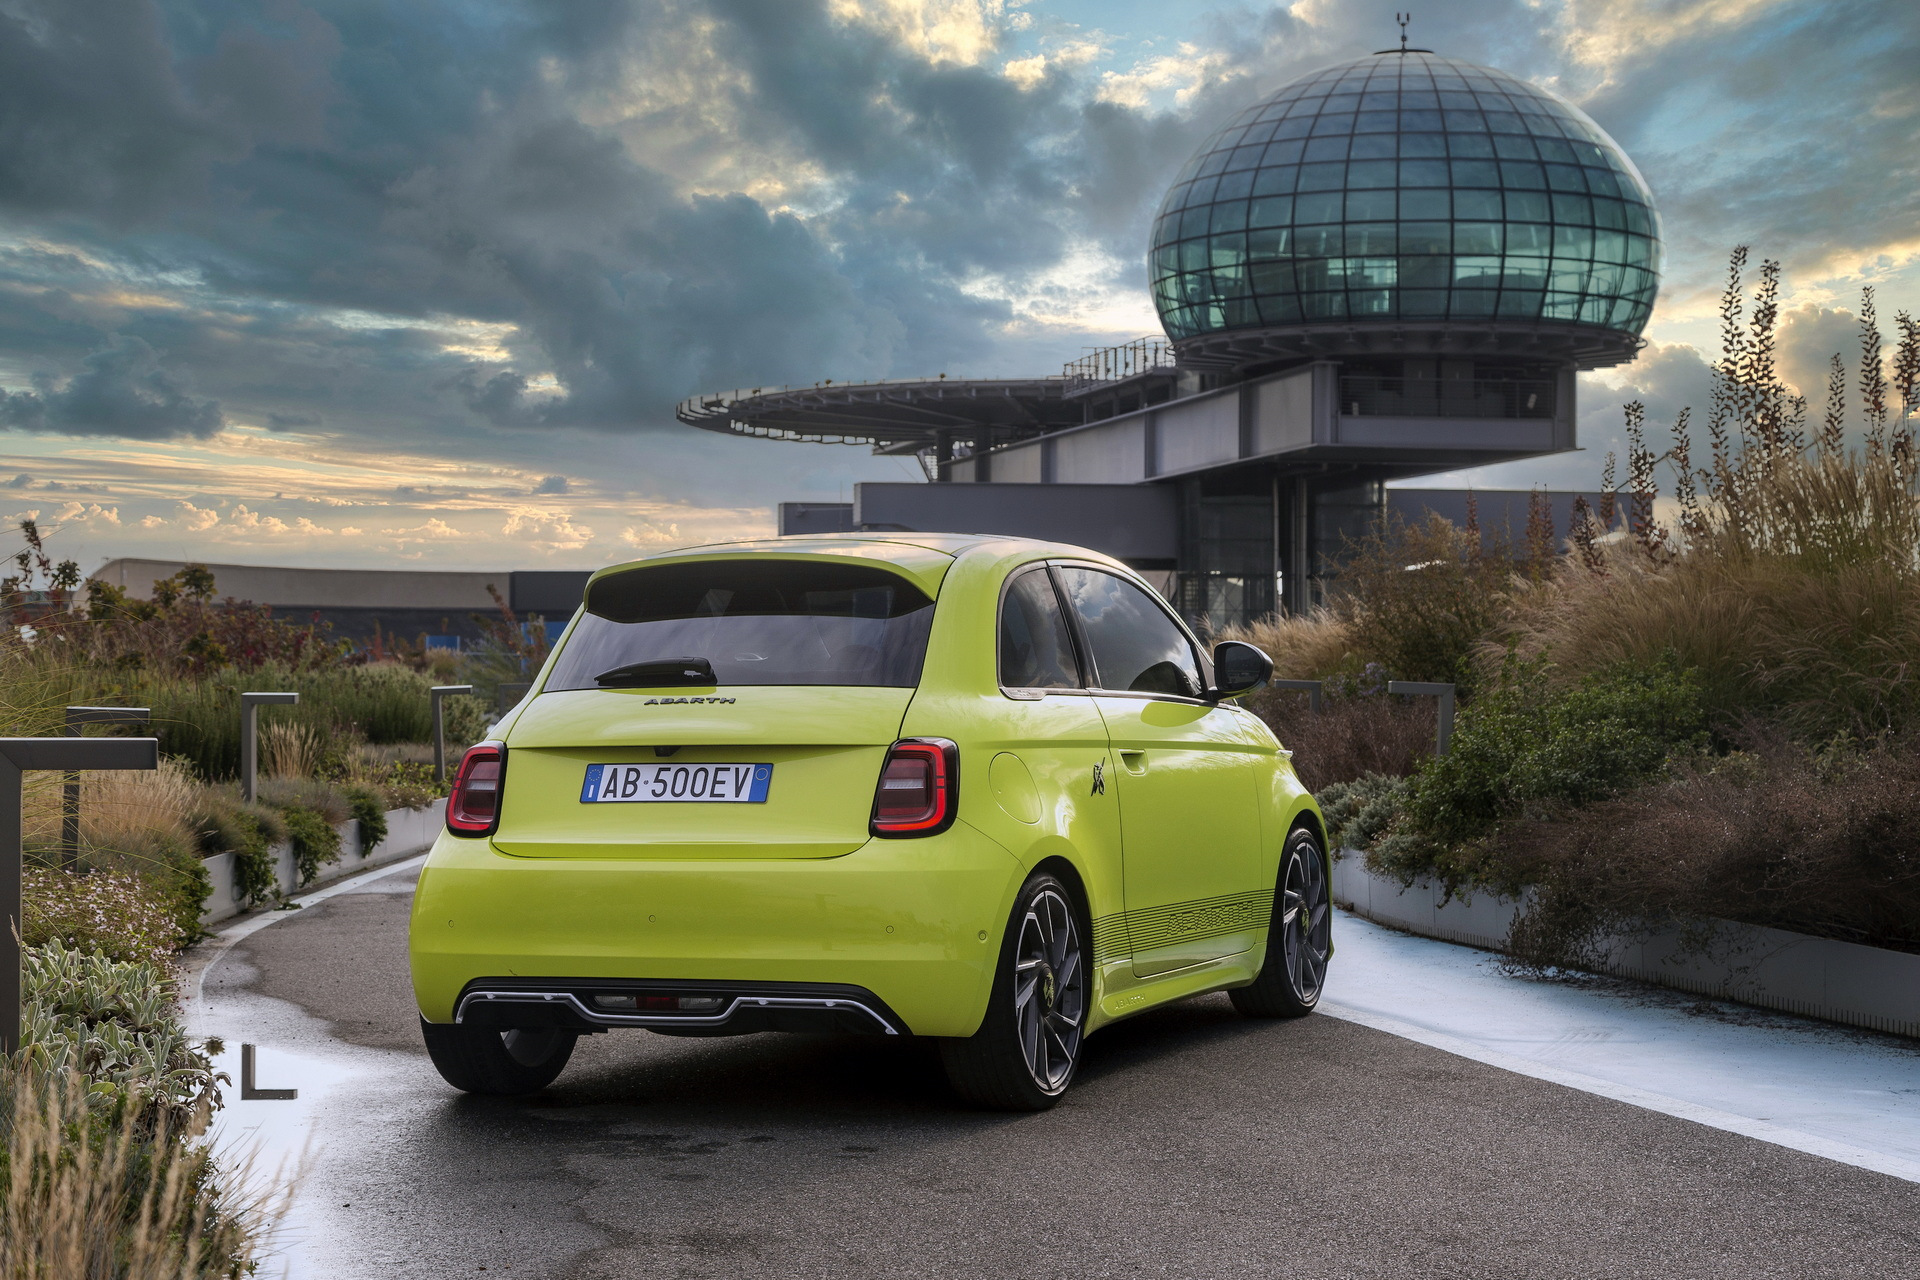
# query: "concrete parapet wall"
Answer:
x=409 y=831
x=1772 y=968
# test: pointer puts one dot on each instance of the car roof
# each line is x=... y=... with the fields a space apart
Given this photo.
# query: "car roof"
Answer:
x=924 y=556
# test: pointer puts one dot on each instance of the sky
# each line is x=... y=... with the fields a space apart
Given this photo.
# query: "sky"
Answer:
x=386 y=284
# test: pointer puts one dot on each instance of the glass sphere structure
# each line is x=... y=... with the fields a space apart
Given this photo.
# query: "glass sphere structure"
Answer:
x=1406 y=190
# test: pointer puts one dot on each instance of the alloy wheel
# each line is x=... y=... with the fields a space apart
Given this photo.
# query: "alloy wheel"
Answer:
x=1049 y=990
x=1306 y=929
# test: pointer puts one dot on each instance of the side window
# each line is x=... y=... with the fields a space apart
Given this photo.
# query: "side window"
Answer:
x=1035 y=651
x=1136 y=646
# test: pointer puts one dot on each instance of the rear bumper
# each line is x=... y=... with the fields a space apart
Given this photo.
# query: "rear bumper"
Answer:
x=913 y=924
x=741 y=1008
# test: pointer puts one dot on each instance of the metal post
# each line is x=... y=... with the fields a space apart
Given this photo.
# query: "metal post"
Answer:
x=1309 y=687
x=1443 y=729
x=17 y=756
x=440 y=691
x=509 y=693
x=70 y=787
x=250 y=704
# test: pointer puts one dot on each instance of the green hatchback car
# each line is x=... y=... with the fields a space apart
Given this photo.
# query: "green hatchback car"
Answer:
x=983 y=789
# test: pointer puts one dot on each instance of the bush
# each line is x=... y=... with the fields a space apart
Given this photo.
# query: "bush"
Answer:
x=1525 y=747
x=115 y=914
x=97 y=1176
x=1359 y=812
x=223 y=823
x=1822 y=842
x=316 y=842
x=113 y=1021
x=1351 y=736
x=1419 y=599
x=369 y=809
x=169 y=864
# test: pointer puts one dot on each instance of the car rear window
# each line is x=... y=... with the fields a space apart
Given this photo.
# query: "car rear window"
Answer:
x=758 y=622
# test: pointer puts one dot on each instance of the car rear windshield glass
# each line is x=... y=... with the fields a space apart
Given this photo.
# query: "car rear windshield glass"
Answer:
x=760 y=621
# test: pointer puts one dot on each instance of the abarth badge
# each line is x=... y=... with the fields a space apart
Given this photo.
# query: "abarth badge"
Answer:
x=1099 y=781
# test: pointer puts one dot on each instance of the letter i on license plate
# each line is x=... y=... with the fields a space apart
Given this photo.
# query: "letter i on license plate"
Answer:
x=668 y=783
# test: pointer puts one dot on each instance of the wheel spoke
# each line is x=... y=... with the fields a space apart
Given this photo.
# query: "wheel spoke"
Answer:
x=1023 y=992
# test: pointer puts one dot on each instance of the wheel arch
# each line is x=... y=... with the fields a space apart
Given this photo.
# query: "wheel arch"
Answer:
x=1062 y=869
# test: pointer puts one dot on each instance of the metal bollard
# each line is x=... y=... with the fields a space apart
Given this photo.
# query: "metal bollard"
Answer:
x=250 y=704
x=1311 y=688
x=1443 y=730
x=18 y=756
x=440 y=691
x=70 y=788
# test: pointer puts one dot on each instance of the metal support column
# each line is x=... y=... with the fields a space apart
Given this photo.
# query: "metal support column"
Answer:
x=1299 y=566
x=70 y=785
x=19 y=756
x=250 y=704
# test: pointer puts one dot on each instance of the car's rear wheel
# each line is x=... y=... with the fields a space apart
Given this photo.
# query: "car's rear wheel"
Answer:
x=1028 y=1046
x=488 y=1060
x=1299 y=938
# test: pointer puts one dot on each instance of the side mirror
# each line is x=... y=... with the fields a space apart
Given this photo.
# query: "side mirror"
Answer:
x=1238 y=668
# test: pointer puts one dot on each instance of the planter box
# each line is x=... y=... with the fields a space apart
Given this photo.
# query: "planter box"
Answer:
x=1772 y=968
x=409 y=831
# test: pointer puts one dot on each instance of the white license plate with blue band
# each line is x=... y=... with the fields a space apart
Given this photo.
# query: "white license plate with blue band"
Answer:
x=669 y=783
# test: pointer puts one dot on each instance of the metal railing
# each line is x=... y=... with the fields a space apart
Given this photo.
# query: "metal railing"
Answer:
x=1373 y=397
x=1111 y=364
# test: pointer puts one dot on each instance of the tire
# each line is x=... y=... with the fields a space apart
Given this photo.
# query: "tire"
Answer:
x=486 y=1060
x=1027 y=1049
x=1299 y=938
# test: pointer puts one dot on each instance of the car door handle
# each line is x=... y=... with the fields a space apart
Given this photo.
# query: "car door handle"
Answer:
x=1133 y=761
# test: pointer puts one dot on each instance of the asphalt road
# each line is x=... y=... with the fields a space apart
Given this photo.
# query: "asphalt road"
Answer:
x=1196 y=1143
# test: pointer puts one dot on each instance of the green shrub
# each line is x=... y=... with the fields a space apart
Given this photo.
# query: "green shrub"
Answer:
x=316 y=842
x=113 y=1021
x=116 y=914
x=467 y=718
x=1524 y=748
x=224 y=823
x=370 y=811
x=1358 y=812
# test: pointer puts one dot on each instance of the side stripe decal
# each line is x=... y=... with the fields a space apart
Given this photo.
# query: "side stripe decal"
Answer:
x=1130 y=932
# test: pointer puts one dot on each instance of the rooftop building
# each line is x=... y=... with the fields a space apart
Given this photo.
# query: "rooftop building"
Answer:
x=1390 y=268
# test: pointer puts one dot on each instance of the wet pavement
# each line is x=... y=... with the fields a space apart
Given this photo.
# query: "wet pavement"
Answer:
x=1196 y=1143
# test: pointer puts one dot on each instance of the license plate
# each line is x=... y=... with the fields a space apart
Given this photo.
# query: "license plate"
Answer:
x=683 y=783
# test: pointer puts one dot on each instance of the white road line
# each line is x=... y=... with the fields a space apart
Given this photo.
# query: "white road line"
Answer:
x=223 y=941
x=1765 y=1131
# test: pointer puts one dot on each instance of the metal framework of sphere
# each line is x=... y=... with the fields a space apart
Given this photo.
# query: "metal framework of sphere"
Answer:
x=1408 y=190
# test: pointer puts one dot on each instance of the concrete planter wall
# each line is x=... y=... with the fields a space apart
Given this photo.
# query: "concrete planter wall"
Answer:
x=1814 y=977
x=409 y=831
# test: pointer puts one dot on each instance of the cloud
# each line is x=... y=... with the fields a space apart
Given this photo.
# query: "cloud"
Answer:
x=552 y=485
x=546 y=530
x=21 y=481
x=196 y=519
x=90 y=514
x=433 y=529
x=119 y=391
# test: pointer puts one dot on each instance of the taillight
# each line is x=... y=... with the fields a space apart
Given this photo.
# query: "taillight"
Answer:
x=473 y=807
x=919 y=788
